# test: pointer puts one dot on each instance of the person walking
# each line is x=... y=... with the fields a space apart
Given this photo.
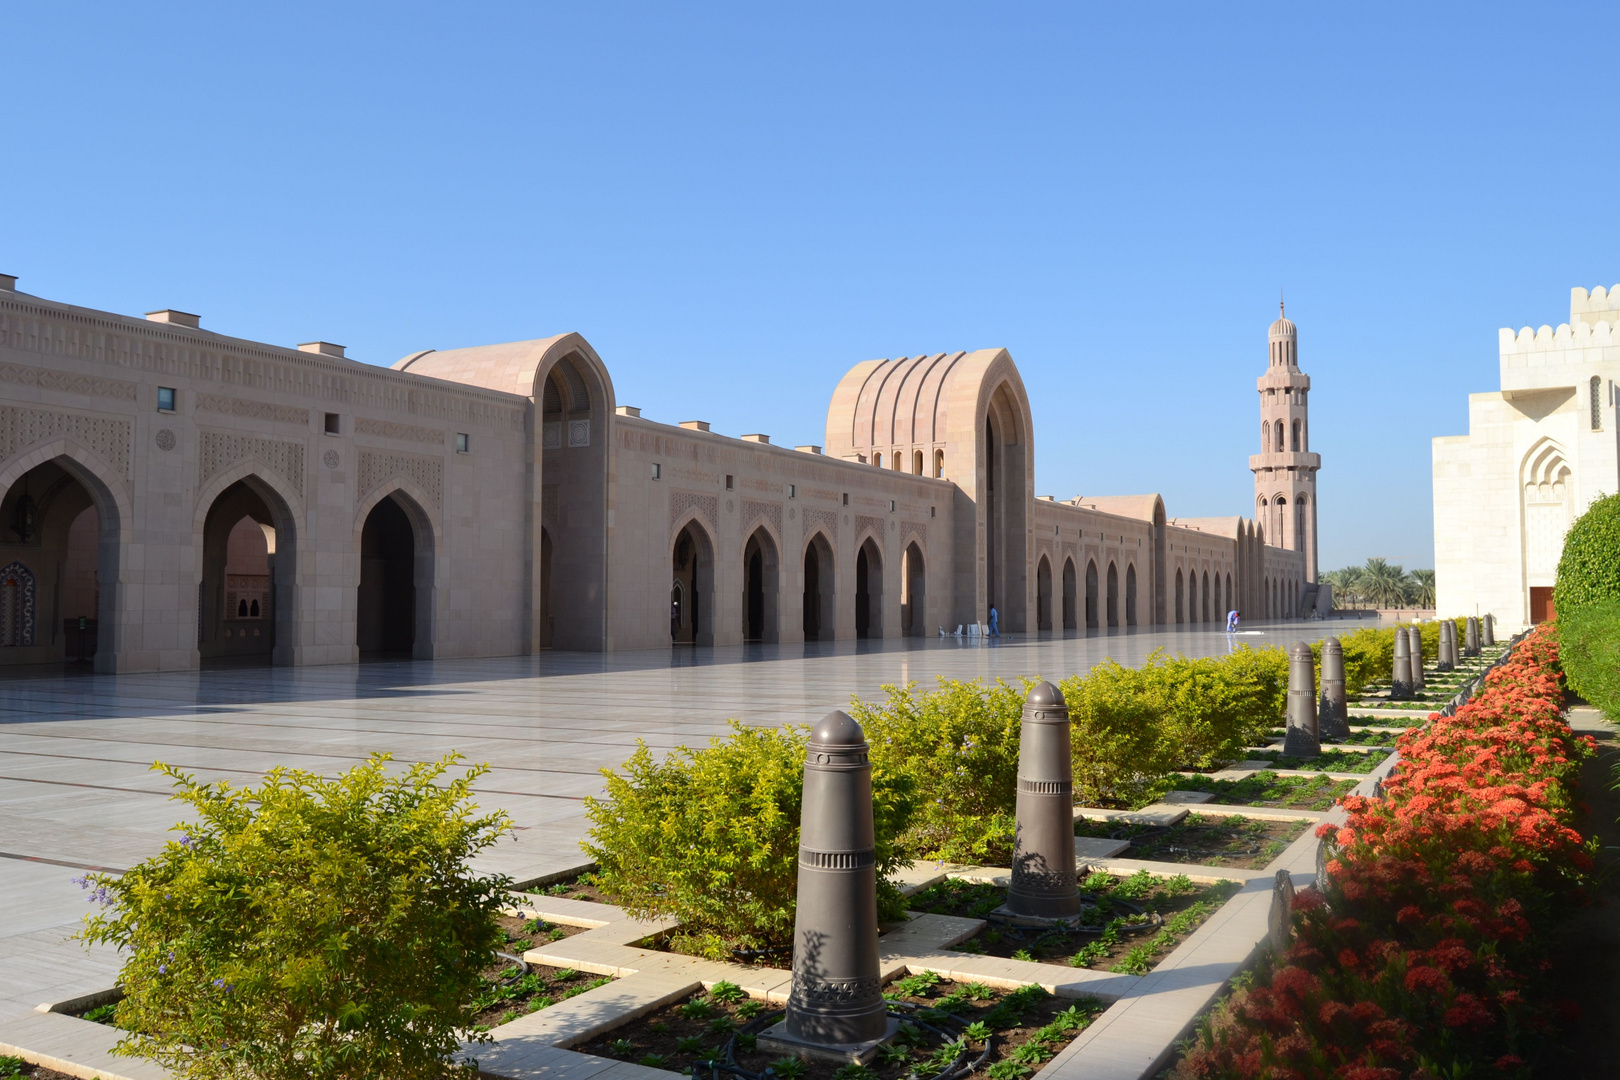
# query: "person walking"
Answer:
x=994 y=630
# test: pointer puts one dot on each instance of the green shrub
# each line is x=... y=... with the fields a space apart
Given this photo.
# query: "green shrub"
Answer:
x=1589 y=569
x=711 y=836
x=307 y=927
x=1589 y=650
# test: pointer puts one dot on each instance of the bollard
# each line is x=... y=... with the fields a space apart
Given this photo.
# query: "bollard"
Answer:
x=1414 y=638
x=1333 y=713
x=1489 y=629
x=1400 y=688
x=835 y=1009
x=1043 y=883
x=1301 y=738
x=1447 y=659
x=1472 y=641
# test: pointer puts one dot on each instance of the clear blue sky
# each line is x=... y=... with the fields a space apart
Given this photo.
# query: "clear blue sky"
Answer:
x=735 y=203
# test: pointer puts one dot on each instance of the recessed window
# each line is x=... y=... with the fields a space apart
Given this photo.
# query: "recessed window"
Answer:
x=932 y=512
x=793 y=491
x=334 y=424
x=891 y=506
x=658 y=471
x=846 y=498
x=165 y=399
x=463 y=442
x=728 y=481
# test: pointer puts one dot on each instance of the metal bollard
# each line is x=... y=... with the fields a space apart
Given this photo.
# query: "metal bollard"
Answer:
x=1043 y=884
x=1400 y=688
x=1489 y=629
x=1333 y=713
x=1414 y=637
x=1472 y=642
x=1447 y=660
x=1301 y=738
x=835 y=1009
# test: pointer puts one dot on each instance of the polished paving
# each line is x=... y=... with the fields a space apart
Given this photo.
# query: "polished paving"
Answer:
x=77 y=790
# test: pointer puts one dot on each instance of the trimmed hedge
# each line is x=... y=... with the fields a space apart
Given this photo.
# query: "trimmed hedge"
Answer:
x=1589 y=569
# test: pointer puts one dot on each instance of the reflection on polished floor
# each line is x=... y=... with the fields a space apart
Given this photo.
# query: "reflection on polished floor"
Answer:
x=77 y=791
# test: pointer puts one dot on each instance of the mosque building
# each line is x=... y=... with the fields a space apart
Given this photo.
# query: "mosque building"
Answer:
x=1537 y=452
x=174 y=496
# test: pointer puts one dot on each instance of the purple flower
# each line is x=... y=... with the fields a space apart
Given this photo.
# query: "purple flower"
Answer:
x=163 y=969
x=82 y=882
x=187 y=841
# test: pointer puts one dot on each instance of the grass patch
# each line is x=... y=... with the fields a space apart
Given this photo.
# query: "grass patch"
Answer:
x=1266 y=788
x=1247 y=843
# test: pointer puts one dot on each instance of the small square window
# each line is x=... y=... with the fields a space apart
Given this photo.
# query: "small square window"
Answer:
x=463 y=442
x=728 y=481
x=658 y=471
x=793 y=491
x=165 y=399
x=333 y=424
x=846 y=498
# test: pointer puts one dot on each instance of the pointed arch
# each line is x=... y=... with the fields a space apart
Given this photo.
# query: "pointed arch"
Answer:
x=379 y=590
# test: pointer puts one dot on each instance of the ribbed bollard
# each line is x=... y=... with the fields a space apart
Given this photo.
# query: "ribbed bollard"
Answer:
x=1414 y=638
x=1301 y=738
x=1447 y=658
x=1332 y=713
x=1400 y=682
x=1043 y=885
x=835 y=1009
x=1473 y=635
x=1488 y=629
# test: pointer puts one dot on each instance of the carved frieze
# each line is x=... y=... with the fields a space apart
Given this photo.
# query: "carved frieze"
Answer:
x=22 y=427
x=219 y=450
x=380 y=466
x=251 y=410
x=753 y=510
x=45 y=379
x=707 y=506
x=864 y=522
x=821 y=519
x=387 y=429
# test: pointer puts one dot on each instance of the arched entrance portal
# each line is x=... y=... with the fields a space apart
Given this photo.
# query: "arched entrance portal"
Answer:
x=396 y=586
x=1113 y=595
x=819 y=610
x=761 y=585
x=691 y=588
x=1043 y=595
x=1091 y=595
x=1069 y=594
x=1130 y=595
x=914 y=595
x=1006 y=499
x=868 y=591
x=244 y=613
x=54 y=551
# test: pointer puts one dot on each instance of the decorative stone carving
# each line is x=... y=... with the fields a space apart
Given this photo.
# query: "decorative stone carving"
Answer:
x=378 y=466
x=915 y=530
x=165 y=439
x=387 y=429
x=579 y=433
x=866 y=521
x=17 y=607
x=551 y=435
x=707 y=506
x=252 y=410
x=218 y=450
x=22 y=427
x=754 y=510
x=822 y=519
x=331 y=459
x=67 y=382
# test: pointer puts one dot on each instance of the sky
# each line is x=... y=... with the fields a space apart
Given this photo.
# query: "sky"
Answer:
x=735 y=203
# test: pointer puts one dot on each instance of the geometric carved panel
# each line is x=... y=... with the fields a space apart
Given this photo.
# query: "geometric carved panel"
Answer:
x=251 y=410
x=404 y=432
x=217 y=451
x=22 y=427
x=753 y=510
x=707 y=506
x=378 y=466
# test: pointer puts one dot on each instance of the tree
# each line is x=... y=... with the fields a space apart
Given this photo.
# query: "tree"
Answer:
x=308 y=928
x=1422 y=590
x=1588 y=592
x=1385 y=583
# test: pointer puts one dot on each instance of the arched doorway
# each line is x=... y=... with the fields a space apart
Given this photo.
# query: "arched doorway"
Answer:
x=914 y=599
x=1113 y=595
x=1204 y=596
x=868 y=591
x=761 y=585
x=395 y=597
x=1043 y=595
x=1091 y=595
x=691 y=587
x=819 y=598
x=1179 y=618
x=547 y=613
x=573 y=406
x=244 y=609
x=1069 y=591
x=1130 y=595
x=54 y=551
x=1006 y=503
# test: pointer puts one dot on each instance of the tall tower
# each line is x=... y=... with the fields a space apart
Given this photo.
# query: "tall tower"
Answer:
x=1285 y=469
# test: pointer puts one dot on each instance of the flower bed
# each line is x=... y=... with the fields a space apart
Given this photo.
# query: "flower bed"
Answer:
x=1246 y=843
x=1013 y=1032
x=510 y=992
x=1425 y=956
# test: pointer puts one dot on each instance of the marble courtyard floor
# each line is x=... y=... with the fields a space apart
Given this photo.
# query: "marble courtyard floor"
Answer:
x=77 y=791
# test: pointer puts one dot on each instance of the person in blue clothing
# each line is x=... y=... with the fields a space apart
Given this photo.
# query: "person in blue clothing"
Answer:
x=1231 y=621
x=994 y=632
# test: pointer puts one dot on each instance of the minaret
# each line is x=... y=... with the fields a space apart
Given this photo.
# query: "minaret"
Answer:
x=1285 y=469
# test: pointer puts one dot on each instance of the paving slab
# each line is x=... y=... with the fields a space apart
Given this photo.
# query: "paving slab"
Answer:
x=1159 y=813
x=585 y=1016
x=73 y=1046
x=1264 y=813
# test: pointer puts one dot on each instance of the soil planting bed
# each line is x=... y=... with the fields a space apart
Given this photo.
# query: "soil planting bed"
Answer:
x=1266 y=788
x=509 y=992
x=1351 y=761
x=12 y=1067
x=1382 y=739
x=1388 y=721
x=579 y=887
x=1135 y=921
x=1023 y=1029
x=1249 y=843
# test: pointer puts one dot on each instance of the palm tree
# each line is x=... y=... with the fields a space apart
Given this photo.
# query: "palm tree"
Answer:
x=1423 y=588
x=1346 y=586
x=1385 y=584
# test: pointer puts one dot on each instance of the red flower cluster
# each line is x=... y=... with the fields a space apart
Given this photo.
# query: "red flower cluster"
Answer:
x=1422 y=960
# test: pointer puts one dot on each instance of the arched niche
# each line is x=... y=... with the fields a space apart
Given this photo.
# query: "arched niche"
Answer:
x=762 y=586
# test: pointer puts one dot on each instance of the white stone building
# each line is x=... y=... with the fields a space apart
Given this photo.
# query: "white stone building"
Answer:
x=1537 y=452
x=171 y=496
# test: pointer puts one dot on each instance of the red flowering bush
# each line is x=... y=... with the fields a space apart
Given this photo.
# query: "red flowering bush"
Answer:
x=1423 y=957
